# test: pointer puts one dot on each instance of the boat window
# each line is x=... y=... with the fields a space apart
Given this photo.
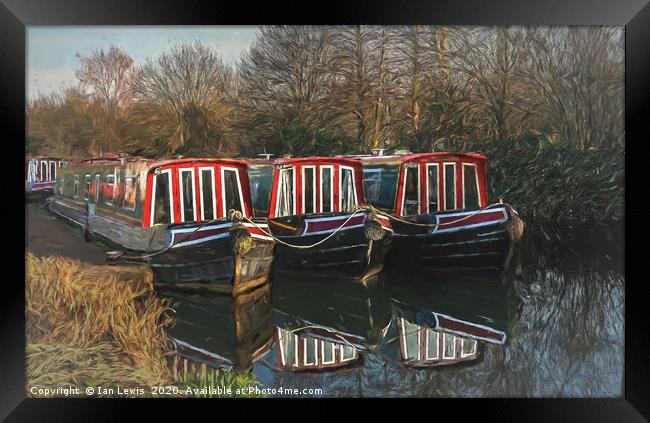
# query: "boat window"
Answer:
x=129 y=193
x=309 y=189
x=288 y=345
x=75 y=190
x=110 y=189
x=208 y=197
x=310 y=354
x=348 y=352
x=285 y=194
x=347 y=189
x=231 y=191
x=43 y=175
x=96 y=196
x=86 y=187
x=380 y=185
x=52 y=171
x=432 y=344
x=449 y=346
x=161 y=208
x=450 y=186
x=470 y=187
x=411 y=340
x=468 y=348
x=327 y=352
x=433 y=198
x=188 y=209
x=326 y=185
x=261 y=180
x=411 y=205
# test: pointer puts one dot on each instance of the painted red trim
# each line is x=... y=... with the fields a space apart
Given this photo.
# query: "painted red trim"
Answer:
x=311 y=226
x=457 y=326
x=490 y=216
x=196 y=235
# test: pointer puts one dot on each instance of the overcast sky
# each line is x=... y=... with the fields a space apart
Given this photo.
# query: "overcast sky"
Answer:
x=52 y=50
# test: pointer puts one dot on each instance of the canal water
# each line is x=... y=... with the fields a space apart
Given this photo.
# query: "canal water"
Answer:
x=552 y=324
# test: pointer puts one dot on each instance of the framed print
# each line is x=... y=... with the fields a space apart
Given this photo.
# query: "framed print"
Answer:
x=427 y=200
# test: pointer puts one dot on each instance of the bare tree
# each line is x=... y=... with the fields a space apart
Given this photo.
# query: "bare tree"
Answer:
x=192 y=86
x=106 y=75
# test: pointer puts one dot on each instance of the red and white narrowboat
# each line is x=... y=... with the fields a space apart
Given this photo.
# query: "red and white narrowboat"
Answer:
x=185 y=217
x=438 y=205
x=315 y=201
x=40 y=176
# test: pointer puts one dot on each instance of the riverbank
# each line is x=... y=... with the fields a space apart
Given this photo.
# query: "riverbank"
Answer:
x=91 y=326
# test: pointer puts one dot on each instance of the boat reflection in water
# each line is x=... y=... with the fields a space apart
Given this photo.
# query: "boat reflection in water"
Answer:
x=326 y=325
x=448 y=320
x=218 y=331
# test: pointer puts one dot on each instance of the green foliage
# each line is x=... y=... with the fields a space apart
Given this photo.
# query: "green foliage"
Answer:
x=200 y=383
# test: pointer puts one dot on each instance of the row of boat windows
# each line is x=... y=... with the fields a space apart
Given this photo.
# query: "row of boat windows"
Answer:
x=162 y=211
x=419 y=343
x=43 y=170
x=380 y=185
x=304 y=352
x=94 y=190
x=286 y=201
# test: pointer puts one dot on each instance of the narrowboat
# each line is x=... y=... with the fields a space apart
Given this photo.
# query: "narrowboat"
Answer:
x=217 y=332
x=327 y=325
x=40 y=176
x=439 y=212
x=314 y=208
x=451 y=322
x=187 y=218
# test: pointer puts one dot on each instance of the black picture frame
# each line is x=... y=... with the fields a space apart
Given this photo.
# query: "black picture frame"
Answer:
x=16 y=15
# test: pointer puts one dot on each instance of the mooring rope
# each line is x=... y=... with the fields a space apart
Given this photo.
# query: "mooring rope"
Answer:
x=408 y=222
x=305 y=247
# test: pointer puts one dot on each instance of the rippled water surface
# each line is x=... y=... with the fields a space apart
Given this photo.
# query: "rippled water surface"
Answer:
x=550 y=325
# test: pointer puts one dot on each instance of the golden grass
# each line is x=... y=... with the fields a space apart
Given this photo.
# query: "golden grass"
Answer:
x=93 y=325
x=89 y=326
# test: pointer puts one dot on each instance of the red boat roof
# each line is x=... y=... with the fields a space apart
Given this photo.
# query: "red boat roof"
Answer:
x=400 y=158
x=317 y=159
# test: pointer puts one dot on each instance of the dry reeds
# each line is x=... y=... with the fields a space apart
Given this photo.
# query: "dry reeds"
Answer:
x=93 y=325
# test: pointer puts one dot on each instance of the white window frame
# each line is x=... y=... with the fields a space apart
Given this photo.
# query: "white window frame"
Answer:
x=223 y=190
x=52 y=178
x=469 y=354
x=322 y=350
x=426 y=344
x=437 y=166
x=153 y=197
x=107 y=200
x=87 y=179
x=354 y=353
x=478 y=189
x=214 y=193
x=405 y=345
x=288 y=334
x=182 y=193
x=354 y=186
x=304 y=352
x=406 y=169
x=313 y=190
x=444 y=184
x=331 y=169
x=444 y=347
x=45 y=176
x=293 y=190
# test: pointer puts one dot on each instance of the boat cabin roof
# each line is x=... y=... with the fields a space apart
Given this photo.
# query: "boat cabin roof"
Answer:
x=346 y=161
x=420 y=157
